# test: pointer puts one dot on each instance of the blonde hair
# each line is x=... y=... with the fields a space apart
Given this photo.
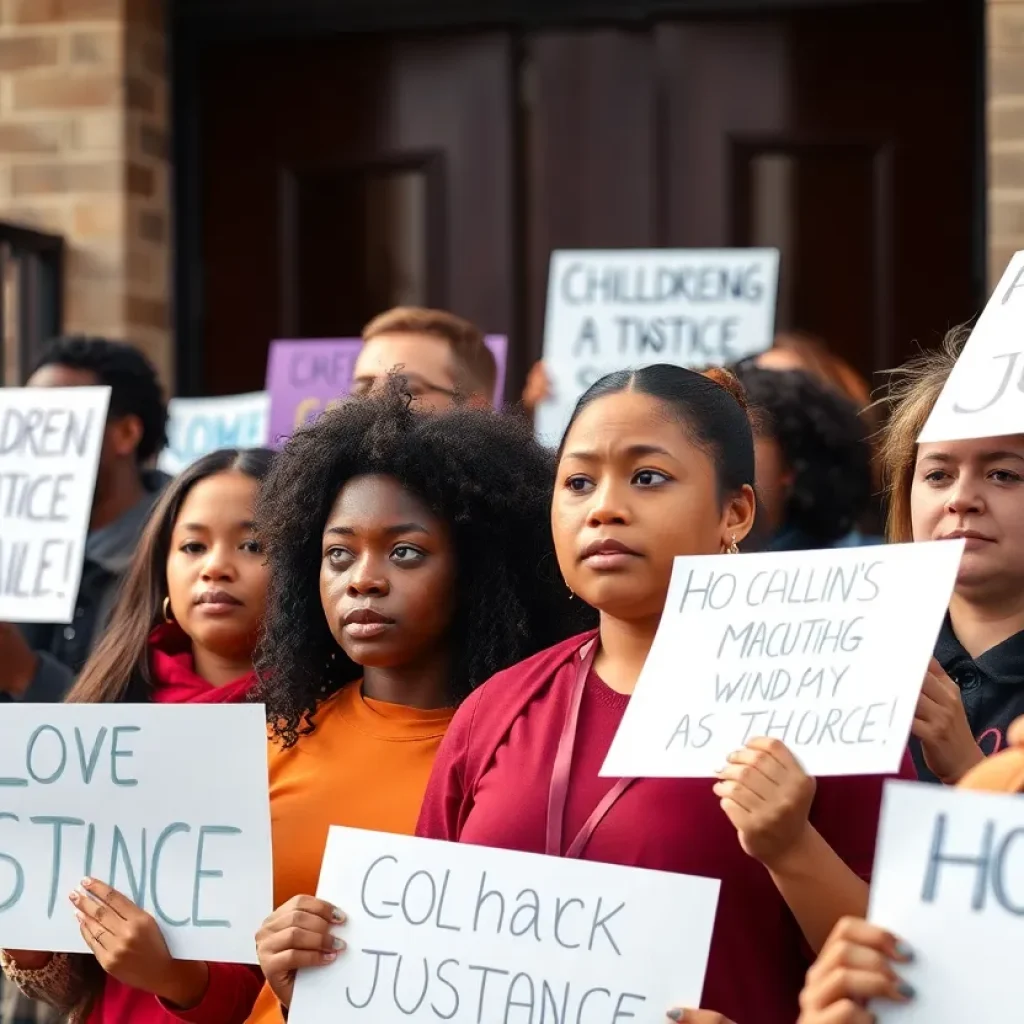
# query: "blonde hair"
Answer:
x=476 y=369
x=914 y=389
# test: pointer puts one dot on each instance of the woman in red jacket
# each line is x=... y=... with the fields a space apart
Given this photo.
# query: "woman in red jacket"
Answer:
x=183 y=632
x=656 y=463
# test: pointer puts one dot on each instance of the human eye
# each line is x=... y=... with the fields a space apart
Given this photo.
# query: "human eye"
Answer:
x=579 y=484
x=252 y=546
x=1005 y=476
x=407 y=555
x=650 y=478
x=192 y=547
x=337 y=557
x=936 y=476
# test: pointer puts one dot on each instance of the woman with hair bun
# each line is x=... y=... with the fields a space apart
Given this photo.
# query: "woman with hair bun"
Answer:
x=656 y=463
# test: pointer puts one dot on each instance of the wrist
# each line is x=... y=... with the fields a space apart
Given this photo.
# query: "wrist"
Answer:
x=186 y=984
x=973 y=756
x=790 y=860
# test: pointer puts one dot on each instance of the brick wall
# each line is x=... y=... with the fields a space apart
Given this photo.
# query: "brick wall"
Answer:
x=1005 y=132
x=83 y=153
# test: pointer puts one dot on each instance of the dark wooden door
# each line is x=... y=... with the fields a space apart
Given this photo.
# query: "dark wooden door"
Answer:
x=846 y=137
x=344 y=175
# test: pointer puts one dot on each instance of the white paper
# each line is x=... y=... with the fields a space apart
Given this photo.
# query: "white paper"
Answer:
x=637 y=941
x=984 y=396
x=148 y=783
x=615 y=309
x=50 y=441
x=198 y=426
x=962 y=920
x=824 y=650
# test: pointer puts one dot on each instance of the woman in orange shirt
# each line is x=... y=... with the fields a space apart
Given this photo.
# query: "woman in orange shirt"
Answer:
x=428 y=535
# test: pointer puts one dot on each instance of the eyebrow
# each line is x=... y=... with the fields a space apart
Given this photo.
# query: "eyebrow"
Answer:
x=245 y=524
x=393 y=531
x=987 y=457
x=635 y=450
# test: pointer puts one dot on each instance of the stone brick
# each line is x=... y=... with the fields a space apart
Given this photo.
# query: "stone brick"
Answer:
x=101 y=47
x=147 y=312
x=64 y=91
x=1006 y=169
x=152 y=141
x=95 y=307
x=1006 y=25
x=152 y=227
x=36 y=12
x=141 y=95
x=102 y=132
x=20 y=52
x=49 y=178
x=140 y=180
x=1006 y=72
x=1006 y=217
x=52 y=217
x=1006 y=121
x=37 y=137
x=98 y=218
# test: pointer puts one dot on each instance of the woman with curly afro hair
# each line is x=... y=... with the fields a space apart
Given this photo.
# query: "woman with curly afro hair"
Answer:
x=413 y=552
x=814 y=476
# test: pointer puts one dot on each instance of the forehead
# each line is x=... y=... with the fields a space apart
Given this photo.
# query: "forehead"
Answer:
x=378 y=497
x=975 y=449
x=57 y=376
x=219 y=497
x=422 y=355
x=626 y=419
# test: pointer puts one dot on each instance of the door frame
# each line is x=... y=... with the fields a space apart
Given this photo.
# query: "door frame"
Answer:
x=193 y=26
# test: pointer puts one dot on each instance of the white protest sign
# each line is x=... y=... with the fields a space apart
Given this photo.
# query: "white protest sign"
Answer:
x=620 y=308
x=198 y=426
x=468 y=934
x=984 y=395
x=167 y=803
x=949 y=881
x=50 y=441
x=823 y=650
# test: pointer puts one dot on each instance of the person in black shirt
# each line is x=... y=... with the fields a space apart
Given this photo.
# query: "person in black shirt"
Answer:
x=973 y=489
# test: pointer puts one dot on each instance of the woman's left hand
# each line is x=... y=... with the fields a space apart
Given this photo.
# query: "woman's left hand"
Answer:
x=767 y=796
x=129 y=946
x=940 y=723
x=698 y=1017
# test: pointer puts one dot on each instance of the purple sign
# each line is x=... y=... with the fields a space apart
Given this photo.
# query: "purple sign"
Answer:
x=304 y=376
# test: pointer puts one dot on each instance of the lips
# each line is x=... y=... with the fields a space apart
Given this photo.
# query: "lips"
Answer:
x=218 y=597
x=366 y=623
x=968 y=535
x=607 y=546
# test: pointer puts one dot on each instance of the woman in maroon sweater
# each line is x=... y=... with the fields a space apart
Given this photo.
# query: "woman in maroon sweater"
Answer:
x=657 y=463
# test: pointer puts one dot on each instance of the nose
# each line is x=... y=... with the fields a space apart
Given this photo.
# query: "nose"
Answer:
x=220 y=563
x=608 y=506
x=366 y=580
x=965 y=498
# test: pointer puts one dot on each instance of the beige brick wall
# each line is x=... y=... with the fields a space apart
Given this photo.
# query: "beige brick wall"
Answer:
x=83 y=153
x=1005 y=132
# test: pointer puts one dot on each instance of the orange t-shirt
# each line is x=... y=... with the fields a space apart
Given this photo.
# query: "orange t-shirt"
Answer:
x=365 y=765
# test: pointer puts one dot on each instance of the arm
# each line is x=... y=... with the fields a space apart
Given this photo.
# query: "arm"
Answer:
x=59 y=980
x=231 y=992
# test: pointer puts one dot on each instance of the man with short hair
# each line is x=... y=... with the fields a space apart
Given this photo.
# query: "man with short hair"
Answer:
x=443 y=358
x=38 y=662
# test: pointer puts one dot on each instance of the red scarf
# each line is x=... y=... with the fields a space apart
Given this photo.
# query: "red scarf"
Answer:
x=174 y=674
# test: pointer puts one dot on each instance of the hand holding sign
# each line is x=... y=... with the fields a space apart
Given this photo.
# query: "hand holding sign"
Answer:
x=854 y=967
x=940 y=723
x=129 y=946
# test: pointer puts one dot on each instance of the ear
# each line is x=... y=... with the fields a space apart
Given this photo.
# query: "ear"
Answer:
x=124 y=435
x=738 y=516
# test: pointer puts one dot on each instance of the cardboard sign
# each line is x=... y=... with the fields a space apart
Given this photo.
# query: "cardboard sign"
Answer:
x=461 y=933
x=198 y=426
x=167 y=803
x=304 y=377
x=823 y=650
x=616 y=309
x=50 y=441
x=949 y=881
x=984 y=396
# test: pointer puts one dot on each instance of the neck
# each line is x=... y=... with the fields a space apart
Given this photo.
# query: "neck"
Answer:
x=219 y=670
x=423 y=685
x=624 y=649
x=122 y=491
x=981 y=625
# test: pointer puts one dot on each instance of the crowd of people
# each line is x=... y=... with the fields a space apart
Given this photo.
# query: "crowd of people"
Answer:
x=445 y=621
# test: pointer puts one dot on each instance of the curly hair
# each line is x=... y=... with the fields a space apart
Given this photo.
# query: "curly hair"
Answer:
x=483 y=474
x=823 y=442
x=131 y=377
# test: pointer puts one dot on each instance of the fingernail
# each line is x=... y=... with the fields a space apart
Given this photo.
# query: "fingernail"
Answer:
x=74 y=897
x=903 y=951
x=87 y=882
x=338 y=915
x=80 y=918
x=339 y=943
x=905 y=990
x=329 y=957
x=676 y=1014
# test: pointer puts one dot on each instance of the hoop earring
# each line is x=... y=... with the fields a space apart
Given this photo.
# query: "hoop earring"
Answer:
x=733 y=548
x=572 y=593
x=168 y=614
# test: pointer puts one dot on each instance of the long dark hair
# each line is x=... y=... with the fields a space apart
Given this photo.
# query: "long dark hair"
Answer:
x=118 y=668
x=482 y=474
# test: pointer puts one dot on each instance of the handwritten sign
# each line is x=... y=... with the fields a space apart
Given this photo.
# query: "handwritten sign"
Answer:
x=104 y=790
x=304 y=377
x=984 y=395
x=50 y=441
x=198 y=426
x=949 y=881
x=610 y=310
x=444 y=931
x=823 y=650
